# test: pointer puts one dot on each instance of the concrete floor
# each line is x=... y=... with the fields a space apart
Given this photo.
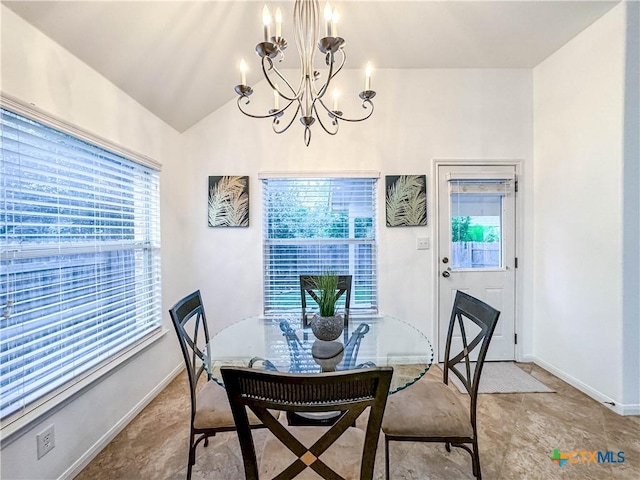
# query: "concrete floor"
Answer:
x=517 y=434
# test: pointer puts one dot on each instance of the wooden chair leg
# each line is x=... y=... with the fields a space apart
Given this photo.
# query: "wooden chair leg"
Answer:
x=386 y=457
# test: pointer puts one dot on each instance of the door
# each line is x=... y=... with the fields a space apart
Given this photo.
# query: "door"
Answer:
x=476 y=247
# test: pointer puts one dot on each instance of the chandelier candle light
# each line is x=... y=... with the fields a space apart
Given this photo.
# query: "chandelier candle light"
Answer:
x=308 y=97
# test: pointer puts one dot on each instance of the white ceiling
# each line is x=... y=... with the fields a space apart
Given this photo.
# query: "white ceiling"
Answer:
x=180 y=58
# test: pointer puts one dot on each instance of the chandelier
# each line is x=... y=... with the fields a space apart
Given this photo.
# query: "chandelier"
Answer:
x=309 y=98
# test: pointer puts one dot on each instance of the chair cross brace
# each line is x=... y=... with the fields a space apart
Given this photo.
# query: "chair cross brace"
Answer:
x=308 y=457
x=193 y=343
x=313 y=294
x=467 y=348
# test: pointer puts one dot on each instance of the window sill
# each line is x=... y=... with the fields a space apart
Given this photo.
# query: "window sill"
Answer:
x=15 y=427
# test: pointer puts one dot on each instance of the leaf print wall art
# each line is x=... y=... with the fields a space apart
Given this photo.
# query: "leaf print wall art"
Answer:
x=229 y=201
x=406 y=200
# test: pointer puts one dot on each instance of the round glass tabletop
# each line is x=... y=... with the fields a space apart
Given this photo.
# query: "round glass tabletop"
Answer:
x=280 y=343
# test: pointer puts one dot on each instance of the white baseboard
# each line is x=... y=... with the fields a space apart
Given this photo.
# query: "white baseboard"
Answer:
x=630 y=409
x=97 y=447
x=608 y=402
x=526 y=358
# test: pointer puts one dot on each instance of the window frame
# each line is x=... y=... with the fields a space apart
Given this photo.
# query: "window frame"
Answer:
x=18 y=423
x=268 y=307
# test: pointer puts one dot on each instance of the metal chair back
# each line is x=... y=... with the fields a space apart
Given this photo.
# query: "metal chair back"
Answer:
x=485 y=317
x=190 y=322
x=347 y=392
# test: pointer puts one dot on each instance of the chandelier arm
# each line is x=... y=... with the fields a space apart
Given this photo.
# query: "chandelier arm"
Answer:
x=338 y=115
x=364 y=105
x=325 y=86
x=271 y=84
x=271 y=114
x=324 y=106
x=276 y=121
x=332 y=73
x=343 y=61
x=334 y=122
x=307 y=135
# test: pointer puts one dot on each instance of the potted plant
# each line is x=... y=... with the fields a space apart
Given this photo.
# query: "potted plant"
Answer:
x=326 y=325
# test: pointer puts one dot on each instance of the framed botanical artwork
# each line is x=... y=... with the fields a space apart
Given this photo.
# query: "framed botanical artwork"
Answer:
x=228 y=201
x=406 y=200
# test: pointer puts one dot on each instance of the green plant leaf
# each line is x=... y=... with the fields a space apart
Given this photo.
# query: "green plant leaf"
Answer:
x=327 y=291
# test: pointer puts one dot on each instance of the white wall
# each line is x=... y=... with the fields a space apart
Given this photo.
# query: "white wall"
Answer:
x=631 y=215
x=578 y=205
x=36 y=70
x=420 y=115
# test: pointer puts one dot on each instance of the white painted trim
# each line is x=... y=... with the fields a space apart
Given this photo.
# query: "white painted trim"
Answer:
x=481 y=176
x=321 y=174
x=435 y=329
x=519 y=227
x=631 y=409
x=97 y=447
x=30 y=110
x=587 y=390
x=525 y=358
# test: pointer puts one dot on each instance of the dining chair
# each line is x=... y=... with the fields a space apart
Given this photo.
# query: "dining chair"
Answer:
x=287 y=455
x=210 y=410
x=308 y=285
x=429 y=410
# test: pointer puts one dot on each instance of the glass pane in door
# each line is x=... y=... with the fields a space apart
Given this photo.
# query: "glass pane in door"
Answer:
x=476 y=227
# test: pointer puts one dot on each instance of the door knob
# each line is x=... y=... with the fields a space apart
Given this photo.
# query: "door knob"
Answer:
x=446 y=274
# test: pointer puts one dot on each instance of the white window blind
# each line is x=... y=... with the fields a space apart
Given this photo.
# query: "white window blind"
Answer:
x=316 y=225
x=79 y=251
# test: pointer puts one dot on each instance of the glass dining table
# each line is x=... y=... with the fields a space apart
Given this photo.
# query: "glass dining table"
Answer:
x=281 y=343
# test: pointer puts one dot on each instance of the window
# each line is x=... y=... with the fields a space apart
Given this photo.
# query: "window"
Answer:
x=476 y=223
x=316 y=225
x=79 y=252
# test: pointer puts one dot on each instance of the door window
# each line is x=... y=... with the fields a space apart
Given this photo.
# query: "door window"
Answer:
x=477 y=223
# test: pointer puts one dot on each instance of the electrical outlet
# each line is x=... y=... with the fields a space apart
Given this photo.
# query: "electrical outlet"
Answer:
x=46 y=441
x=422 y=243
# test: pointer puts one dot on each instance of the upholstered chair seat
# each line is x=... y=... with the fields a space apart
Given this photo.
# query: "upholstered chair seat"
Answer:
x=213 y=409
x=446 y=415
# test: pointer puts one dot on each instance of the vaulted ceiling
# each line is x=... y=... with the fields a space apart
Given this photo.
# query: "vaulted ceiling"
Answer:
x=180 y=58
